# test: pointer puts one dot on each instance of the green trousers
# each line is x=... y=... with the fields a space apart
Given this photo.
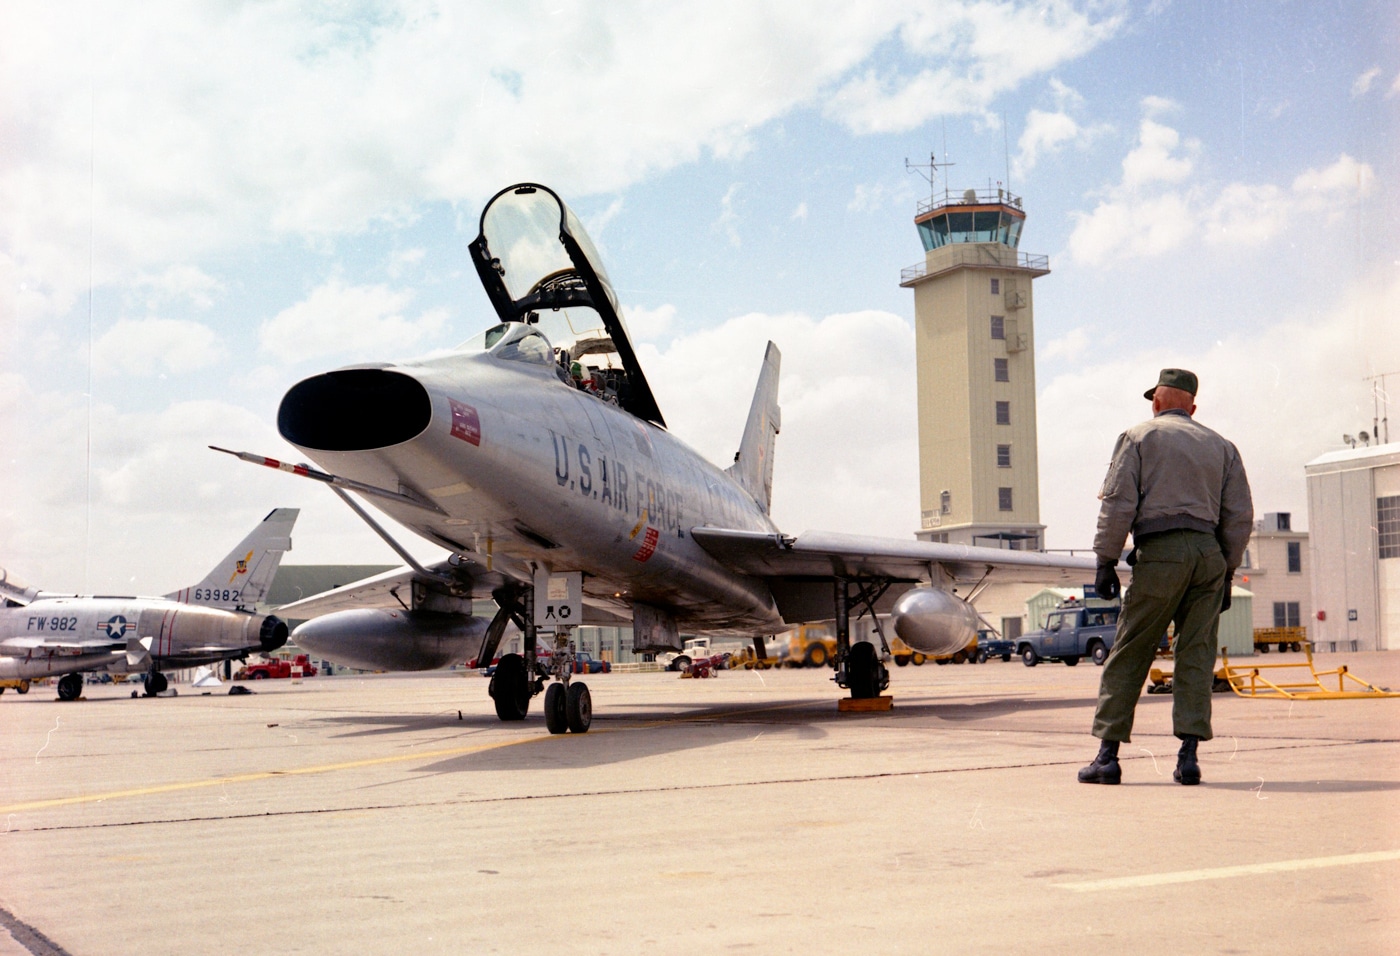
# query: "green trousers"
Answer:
x=1179 y=577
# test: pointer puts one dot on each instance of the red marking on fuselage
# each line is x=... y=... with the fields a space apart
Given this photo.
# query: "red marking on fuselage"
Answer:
x=648 y=547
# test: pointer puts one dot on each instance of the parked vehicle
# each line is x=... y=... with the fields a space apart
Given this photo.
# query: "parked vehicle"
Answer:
x=1071 y=633
x=20 y=685
x=277 y=667
x=586 y=663
x=990 y=644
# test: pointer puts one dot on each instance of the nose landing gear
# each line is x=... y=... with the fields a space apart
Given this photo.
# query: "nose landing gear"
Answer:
x=568 y=706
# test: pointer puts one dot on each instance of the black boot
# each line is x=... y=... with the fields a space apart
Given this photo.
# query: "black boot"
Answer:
x=1105 y=767
x=1188 y=771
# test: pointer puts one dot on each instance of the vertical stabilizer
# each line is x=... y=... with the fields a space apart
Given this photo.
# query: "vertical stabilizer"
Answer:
x=242 y=579
x=753 y=465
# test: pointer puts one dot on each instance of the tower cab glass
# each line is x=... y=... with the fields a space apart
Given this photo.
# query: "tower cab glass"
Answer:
x=977 y=217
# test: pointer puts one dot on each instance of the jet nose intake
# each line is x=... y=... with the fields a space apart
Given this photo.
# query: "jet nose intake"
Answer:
x=273 y=634
x=354 y=409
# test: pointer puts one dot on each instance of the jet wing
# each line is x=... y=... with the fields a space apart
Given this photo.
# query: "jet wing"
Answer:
x=392 y=589
x=826 y=555
x=32 y=643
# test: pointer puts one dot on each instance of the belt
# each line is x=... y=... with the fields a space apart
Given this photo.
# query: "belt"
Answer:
x=1151 y=526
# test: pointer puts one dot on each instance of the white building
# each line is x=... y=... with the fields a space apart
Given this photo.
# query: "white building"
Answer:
x=1354 y=520
x=1277 y=569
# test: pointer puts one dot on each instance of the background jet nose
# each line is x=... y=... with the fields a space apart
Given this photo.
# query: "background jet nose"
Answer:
x=272 y=634
x=354 y=409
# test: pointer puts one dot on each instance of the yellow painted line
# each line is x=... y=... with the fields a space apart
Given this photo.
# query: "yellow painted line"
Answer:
x=354 y=764
x=1229 y=872
x=261 y=775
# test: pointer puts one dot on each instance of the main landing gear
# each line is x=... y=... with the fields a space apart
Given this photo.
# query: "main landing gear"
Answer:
x=155 y=683
x=567 y=704
x=70 y=687
x=858 y=666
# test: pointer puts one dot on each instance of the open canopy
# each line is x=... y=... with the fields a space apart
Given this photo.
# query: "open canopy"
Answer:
x=533 y=257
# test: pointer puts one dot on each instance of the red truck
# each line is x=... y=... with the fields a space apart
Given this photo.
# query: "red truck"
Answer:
x=277 y=667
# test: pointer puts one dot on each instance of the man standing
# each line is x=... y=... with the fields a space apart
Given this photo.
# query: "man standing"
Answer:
x=1181 y=490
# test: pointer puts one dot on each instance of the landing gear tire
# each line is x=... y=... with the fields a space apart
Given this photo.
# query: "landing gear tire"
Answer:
x=155 y=683
x=554 y=709
x=1029 y=658
x=578 y=708
x=70 y=686
x=510 y=688
x=863 y=670
x=1099 y=653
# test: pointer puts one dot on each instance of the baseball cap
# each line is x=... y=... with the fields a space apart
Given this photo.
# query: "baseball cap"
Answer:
x=1174 y=378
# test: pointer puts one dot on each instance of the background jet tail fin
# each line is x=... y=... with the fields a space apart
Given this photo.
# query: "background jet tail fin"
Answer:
x=753 y=465
x=243 y=578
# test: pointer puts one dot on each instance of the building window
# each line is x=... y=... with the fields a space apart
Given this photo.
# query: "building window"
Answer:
x=996 y=287
x=1003 y=413
x=1003 y=456
x=1003 y=499
x=945 y=503
x=1286 y=614
x=1283 y=519
x=1000 y=371
x=1295 y=557
x=1388 y=526
x=999 y=327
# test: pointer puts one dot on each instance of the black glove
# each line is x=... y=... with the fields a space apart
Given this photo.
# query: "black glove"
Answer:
x=1229 y=584
x=1106 y=580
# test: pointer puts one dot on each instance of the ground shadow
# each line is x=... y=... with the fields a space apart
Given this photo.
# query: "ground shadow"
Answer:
x=1311 y=786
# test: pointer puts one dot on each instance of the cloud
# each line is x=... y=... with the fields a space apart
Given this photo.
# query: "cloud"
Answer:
x=847 y=458
x=728 y=221
x=1276 y=396
x=337 y=319
x=650 y=325
x=191 y=129
x=1154 y=159
x=983 y=50
x=1394 y=87
x=1362 y=85
x=177 y=284
x=148 y=346
x=1154 y=210
x=800 y=213
x=1045 y=134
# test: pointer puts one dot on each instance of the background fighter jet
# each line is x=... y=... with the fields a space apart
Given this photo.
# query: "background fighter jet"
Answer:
x=42 y=634
x=537 y=455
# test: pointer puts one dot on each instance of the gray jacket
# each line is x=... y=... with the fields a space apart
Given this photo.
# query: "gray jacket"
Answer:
x=1173 y=472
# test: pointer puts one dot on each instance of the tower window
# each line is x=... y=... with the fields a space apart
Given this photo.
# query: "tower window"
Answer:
x=945 y=503
x=1004 y=499
x=1003 y=413
x=1000 y=371
x=999 y=327
x=1003 y=456
x=1286 y=614
x=1295 y=557
x=996 y=287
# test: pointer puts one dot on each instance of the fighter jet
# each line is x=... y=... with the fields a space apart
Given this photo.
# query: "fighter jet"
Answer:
x=43 y=634
x=536 y=454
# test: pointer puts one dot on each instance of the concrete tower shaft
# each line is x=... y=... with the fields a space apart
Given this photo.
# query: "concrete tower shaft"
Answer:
x=975 y=335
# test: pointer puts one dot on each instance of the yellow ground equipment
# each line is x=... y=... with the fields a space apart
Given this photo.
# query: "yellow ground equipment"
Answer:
x=1249 y=680
x=21 y=686
x=1284 y=638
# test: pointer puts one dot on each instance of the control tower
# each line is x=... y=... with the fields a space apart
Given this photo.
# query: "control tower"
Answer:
x=979 y=480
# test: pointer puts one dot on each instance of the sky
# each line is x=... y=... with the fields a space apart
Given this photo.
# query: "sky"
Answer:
x=203 y=203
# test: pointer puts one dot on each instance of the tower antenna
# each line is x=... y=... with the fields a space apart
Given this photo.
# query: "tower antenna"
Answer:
x=929 y=174
x=1380 y=405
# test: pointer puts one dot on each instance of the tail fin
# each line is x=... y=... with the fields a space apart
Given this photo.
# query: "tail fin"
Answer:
x=753 y=464
x=243 y=578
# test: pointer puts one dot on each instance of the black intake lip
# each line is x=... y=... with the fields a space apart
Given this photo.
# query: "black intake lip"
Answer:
x=354 y=409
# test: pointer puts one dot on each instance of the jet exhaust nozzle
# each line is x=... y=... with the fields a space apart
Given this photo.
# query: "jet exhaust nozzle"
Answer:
x=354 y=409
x=388 y=639
x=272 y=634
x=934 y=622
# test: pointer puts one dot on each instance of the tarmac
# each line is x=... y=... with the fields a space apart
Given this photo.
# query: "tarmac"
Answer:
x=743 y=813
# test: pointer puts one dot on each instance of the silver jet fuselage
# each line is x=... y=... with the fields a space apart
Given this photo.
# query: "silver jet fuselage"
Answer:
x=510 y=464
x=125 y=633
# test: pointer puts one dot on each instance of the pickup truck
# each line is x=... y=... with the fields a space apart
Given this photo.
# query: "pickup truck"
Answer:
x=1071 y=633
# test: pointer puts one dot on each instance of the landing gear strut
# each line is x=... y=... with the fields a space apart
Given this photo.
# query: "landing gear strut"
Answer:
x=858 y=667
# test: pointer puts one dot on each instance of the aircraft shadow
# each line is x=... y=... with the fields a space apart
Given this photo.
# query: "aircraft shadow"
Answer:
x=1311 y=786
